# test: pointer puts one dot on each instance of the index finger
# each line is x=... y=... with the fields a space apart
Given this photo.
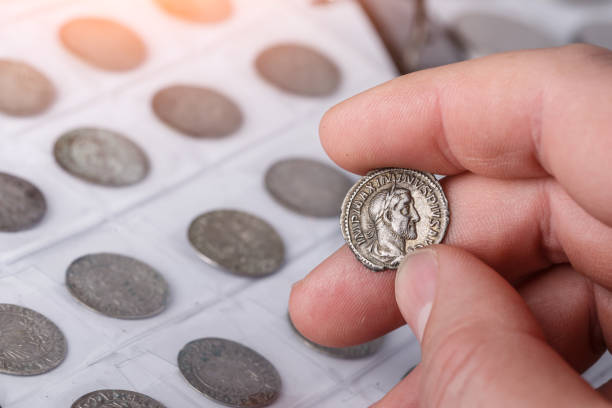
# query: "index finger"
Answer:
x=523 y=114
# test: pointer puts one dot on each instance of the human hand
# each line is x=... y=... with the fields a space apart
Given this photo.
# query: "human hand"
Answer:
x=519 y=301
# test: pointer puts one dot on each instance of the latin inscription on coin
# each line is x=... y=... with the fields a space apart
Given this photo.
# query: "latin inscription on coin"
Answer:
x=197 y=112
x=116 y=399
x=298 y=69
x=103 y=43
x=390 y=212
x=22 y=205
x=229 y=373
x=117 y=286
x=101 y=156
x=200 y=11
x=308 y=186
x=30 y=344
x=238 y=242
x=24 y=91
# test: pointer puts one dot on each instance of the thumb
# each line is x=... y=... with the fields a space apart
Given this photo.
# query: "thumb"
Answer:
x=480 y=344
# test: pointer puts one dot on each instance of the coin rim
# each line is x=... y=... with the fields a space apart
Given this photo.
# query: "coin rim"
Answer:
x=116 y=390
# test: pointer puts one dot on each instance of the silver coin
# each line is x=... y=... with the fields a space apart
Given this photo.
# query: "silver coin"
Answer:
x=101 y=156
x=229 y=373
x=197 y=112
x=24 y=91
x=307 y=186
x=117 y=286
x=390 y=212
x=597 y=34
x=30 y=344
x=199 y=11
x=22 y=205
x=103 y=43
x=237 y=241
x=298 y=69
x=116 y=399
x=348 y=353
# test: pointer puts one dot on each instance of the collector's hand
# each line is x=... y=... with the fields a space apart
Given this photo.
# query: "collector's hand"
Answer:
x=519 y=301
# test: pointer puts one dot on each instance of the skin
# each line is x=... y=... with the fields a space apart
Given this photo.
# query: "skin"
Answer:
x=520 y=294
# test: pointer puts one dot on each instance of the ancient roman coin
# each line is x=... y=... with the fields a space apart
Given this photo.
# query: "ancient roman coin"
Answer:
x=30 y=344
x=116 y=398
x=237 y=241
x=348 y=353
x=101 y=156
x=229 y=373
x=22 y=205
x=298 y=69
x=117 y=286
x=103 y=43
x=391 y=212
x=307 y=186
x=197 y=112
x=199 y=11
x=597 y=34
x=24 y=91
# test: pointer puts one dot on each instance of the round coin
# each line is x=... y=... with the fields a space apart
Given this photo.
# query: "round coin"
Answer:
x=101 y=156
x=116 y=398
x=197 y=112
x=199 y=11
x=30 y=344
x=22 y=205
x=390 y=212
x=298 y=69
x=103 y=43
x=24 y=91
x=307 y=186
x=238 y=242
x=597 y=34
x=229 y=373
x=348 y=353
x=117 y=286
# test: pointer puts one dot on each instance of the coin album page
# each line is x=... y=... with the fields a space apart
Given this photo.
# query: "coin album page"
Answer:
x=149 y=220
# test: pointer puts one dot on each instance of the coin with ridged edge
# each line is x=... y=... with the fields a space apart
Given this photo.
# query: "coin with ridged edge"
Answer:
x=238 y=242
x=30 y=344
x=117 y=286
x=390 y=212
x=24 y=91
x=229 y=373
x=22 y=205
x=116 y=398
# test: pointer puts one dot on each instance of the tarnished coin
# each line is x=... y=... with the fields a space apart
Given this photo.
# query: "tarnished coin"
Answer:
x=390 y=212
x=229 y=373
x=101 y=156
x=103 y=43
x=199 y=11
x=30 y=344
x=197 y=112
x=597 y=34
x=116 y=398
x=22 y=205
x=307 y=186
x=298 y=69
x=24 y=91
x=348 y=353
x=117 y=286
x=238 y=242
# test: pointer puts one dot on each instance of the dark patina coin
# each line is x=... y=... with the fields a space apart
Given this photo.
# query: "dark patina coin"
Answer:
x=103 y=43
x=22 y=205
x=24 y=91
x=238 y=242
x=298 y=69
x=30 y=344
x=117 y=286
x=116 y=399
x=101 y=156
x=229 y=373
x=307 y=186
x=197 y=112
x=199 y=11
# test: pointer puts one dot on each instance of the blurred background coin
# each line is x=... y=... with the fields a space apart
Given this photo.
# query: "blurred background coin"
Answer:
x=24 y=91
x=116 y=398
x=199 y=11
x=22 y=205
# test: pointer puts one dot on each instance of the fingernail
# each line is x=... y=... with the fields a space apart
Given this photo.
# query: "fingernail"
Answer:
x=418 y=272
